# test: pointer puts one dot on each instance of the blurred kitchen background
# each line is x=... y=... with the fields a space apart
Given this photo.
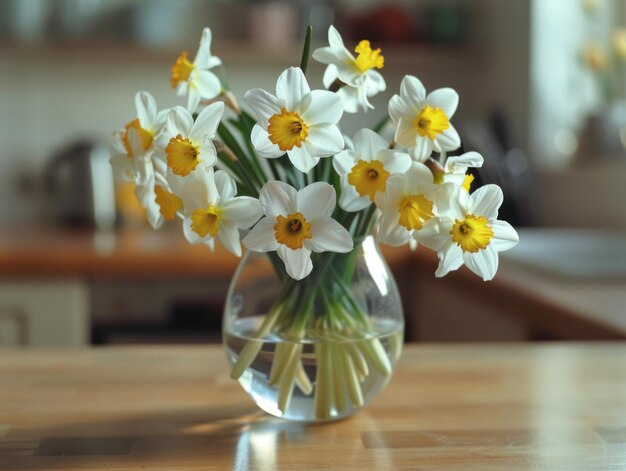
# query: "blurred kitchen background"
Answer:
x=543 y=98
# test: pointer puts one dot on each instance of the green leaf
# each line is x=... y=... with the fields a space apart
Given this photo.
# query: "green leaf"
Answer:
x=306 y=51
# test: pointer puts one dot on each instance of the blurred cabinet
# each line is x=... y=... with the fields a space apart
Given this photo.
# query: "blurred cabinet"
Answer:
x=44 y=313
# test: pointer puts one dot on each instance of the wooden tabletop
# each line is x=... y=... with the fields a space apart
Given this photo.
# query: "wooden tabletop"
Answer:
x=471 y=407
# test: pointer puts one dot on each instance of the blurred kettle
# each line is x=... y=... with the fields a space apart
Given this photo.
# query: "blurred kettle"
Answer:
x=80 y=187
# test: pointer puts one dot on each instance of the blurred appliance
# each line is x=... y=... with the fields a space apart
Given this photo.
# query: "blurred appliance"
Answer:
x=80 y=188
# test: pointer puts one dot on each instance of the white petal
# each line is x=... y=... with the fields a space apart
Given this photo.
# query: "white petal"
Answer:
x=350 y=200
x=328 y=235
x=207 y=153
x=450 y=201
x=207 y=84
x=419 y=177
x=375 y=83
x=135 y=143
x=448 y=141
x=350 y=99
x=399 y=109
x=262 y=144
x=460 y=164
x=264 y=105
x=324 y=140
x=422 y=149
x=302 y=159
x=206 y=123
x=412 y=90
x=484 y=263
x=316 y=200
x=369 y=143
x=330 y=75
x=229 y=237
x=193 y=99
x=325 y=55
x=278 y=199
x=225 y=185
x=450 y=259
x=193 y=237
x=445 y=98
x=297 y=262
x=179 y=121
x=486 y=201
x=146 y=110
x=435 y=233
x=204 y=59
x=243 y=210
x=390 y=232
x=394 y=161
x=344 y=161
x=504 y=236
x=262 y=237
x=291 y=88
x=336 y=43
x=124 y=168
x=406 y=134
x=321 y=106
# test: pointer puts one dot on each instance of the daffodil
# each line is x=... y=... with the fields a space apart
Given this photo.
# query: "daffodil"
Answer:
x=156 y=195
x=134 y=145
x=359 y=74
x=407 y=205
x=423 y=121
x=456 y=167
x=194 y=79
x=297 y=121
x=467 y=230
x=297 y=223
x=212 y=209
x=187 y=144
x=364 y=170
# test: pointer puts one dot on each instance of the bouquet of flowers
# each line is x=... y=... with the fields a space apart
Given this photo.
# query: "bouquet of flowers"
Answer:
x=281 y=178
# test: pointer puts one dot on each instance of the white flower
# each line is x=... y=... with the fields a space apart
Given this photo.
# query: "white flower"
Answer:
x=467 y=230
x=407 y=205
x=134 y=144
x=297 y=223
x=358 y=74
x=456 y=167
x=298 y=121
x=423 y=122
x=212 y=210
x=364 y=171
x=194 y=78
x=187 y=144
x=157 y=196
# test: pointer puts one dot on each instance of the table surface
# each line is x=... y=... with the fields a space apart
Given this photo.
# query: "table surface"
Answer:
x=476 y=407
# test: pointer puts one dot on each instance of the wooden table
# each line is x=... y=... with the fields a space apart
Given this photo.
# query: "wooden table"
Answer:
x=476 y=407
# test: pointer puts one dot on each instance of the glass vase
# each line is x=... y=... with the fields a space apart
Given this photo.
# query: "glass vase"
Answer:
x=320 y=348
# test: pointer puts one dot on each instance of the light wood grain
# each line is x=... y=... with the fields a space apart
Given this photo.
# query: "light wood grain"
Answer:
x=473 y=407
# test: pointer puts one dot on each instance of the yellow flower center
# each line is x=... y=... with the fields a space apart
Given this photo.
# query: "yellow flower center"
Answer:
x=472 y=233
x=292 y=230
x=206 y=221
x=182 y=156
x=367 y=58
x=144 y=134
x=287 y=130
x=415 y=210
x=368 y=178
x=168 y=203
x=181 y=70
x=431 y=122
x=467 y=182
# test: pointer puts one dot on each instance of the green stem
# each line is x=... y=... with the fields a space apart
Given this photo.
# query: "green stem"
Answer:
x=306 y=51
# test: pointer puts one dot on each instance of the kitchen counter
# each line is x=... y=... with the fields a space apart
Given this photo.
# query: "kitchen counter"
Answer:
x=448 y=407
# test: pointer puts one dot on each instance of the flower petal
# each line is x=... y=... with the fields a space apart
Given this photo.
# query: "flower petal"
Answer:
x=445 y=98
x=225 y=185
x=398 y=109
x=450 y=259
x=324 y=140
x=297 y=262
x=262 y=237
x=204 y=128
x=350 y=200
x=412 y=91
x=302 y=158
x=207 y=84
x=406 y=134
x=330 y=75
x=204 y=59
x=179 y=121
x=321 y=106
x=504 y=236
x=146 y=109
x=422 y=149
x=193 y=99
x=460 y=164
x=262 y=144
x=291 y=88
x=486 y=201
x=369 y=143
x=435 y=233
x=448 y=141
x=264 y=105
x=484 y=263
x=278 y=199
x=193 y=238
x=344 y=161
x=229 y=237
x=316 y=200
x=394 y=161
x=390 y=232
x=336 y=43
x=328 y=235
x=242 y=210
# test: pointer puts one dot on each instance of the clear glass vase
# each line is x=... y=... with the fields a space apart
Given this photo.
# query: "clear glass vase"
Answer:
x=320 y=348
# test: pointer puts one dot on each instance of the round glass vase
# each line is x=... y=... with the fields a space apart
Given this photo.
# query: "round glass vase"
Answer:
x=320 y=348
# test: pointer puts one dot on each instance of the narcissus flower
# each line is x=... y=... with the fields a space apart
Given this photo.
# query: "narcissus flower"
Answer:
x=297 y=121
x=297 y=223
x=423 y=121
x=407 y=205
x=359 y=73
x=158 y=198
x=212 y=210
x=187 y=143
x=194 y=79
x=467 y=230
x=365 y=169
x=134 y=144
x=456 y=167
